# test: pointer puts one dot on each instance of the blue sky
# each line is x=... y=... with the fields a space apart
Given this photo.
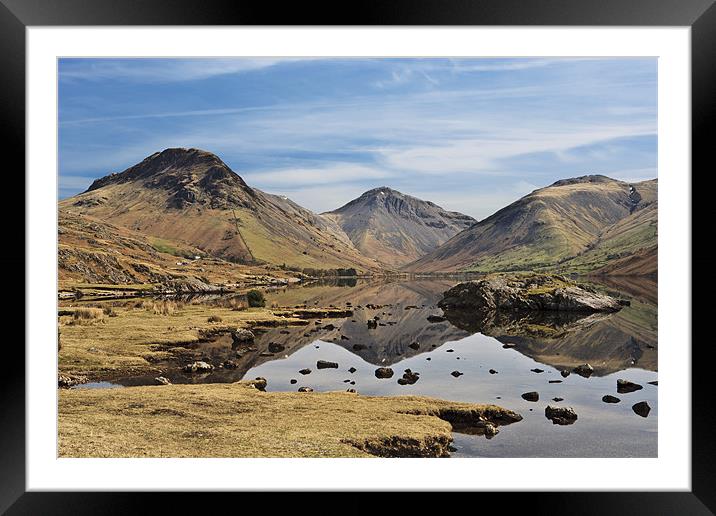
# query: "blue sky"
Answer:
x=471 y=135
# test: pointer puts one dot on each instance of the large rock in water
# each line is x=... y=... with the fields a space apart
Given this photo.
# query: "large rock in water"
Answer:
x=526 y=292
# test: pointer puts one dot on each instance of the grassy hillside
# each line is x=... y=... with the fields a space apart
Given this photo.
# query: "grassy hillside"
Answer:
x=192 y=199
x=593 y=217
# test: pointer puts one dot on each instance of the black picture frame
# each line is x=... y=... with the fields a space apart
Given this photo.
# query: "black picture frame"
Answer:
x=16 y=15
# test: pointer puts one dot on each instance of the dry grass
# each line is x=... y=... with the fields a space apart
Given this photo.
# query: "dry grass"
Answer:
x=165 y=307
x=138 y=336
x=87 y=313
x=235 y=420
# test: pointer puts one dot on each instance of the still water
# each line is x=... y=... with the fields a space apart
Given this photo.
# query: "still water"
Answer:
x=524 y=354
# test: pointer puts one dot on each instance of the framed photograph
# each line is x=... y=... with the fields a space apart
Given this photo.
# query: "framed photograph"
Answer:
x=278 y=251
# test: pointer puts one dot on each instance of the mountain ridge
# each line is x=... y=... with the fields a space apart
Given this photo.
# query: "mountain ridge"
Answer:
x=191 y=197
x=394 y=227
x=547 y=228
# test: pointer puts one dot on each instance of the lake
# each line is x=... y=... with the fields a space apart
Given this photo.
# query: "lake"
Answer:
x=525 y=354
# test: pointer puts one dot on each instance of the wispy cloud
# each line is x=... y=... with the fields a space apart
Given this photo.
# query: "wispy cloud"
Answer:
x=320 y=175
x=153 y=70
x=465 y=130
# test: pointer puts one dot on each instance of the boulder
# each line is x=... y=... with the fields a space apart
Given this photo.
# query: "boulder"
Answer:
x=305 y=389
x=230 y=364
x=259 y=383
x=414 y=345
x=526 y=292
x=492 y=371
x=305 y=371
x=610 y=399
x=625 y=386
x=409 y=378
x=584 y=370
x=242 y=336
x=384 y=372
x=161 y=380
x=457 y=374
x=324 y=364
x=436 y=318
x=560 y=415
x=293 y=381
x=352 y=370
x=531 y=396
x=275 y=347
x=642 y=408
x=69 y=380
x=198 y=367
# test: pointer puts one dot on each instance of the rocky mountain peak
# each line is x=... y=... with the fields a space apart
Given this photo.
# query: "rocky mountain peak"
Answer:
x=189 y=175
x=395 y=227
x=591 y=178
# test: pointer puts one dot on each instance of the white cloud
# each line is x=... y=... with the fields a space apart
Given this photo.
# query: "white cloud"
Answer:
x=476 y=201
x=297 y=177
x=163 y=70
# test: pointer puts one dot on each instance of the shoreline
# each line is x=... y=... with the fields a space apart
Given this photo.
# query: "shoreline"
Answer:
x=238 y=420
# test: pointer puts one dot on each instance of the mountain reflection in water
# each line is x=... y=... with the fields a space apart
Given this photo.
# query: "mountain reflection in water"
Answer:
x=539 y=347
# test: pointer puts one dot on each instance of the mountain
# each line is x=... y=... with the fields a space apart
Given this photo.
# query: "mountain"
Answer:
x=395 y=228
x=579 y=224
x=189 y=197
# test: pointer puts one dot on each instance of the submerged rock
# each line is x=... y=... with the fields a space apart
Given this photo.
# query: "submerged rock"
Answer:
x=625 y=386
x=537 y=370
x=384 y=372
x=610 y=399
x=305 y=371
x=557 y=400
x=642 y=408
x=293 y=381
x=492 y=371
x=526 y=292
x=352 y=370
x=409 y=378
x=531 y=396
x=456 y=374
x=560 y=415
